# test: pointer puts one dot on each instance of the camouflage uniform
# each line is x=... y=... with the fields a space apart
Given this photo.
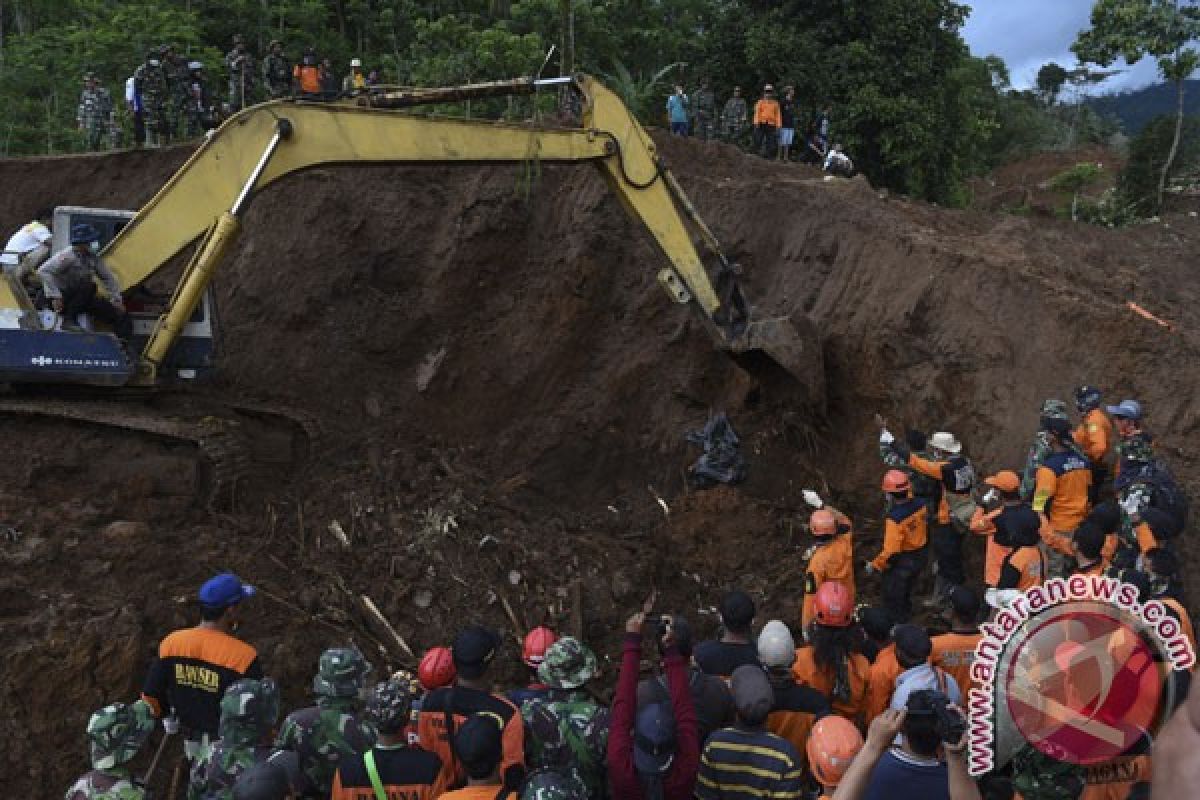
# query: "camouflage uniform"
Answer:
x=240 y=64
x=1051 y=409
x=565 y=731
x=550 y=785
x=95 y=114
x=150 y=81
x=735 y=118
x=179 y=81
x=249 y=711
x=277 y=74
x=115 y=735
x=705 y=104
x=1133 y=498
x=1037 y=776
x=320 y=735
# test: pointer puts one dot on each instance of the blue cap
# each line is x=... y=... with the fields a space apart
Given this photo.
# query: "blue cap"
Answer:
x=654 y=739
x=84 y=234
x=1128 y=409
x=224 y=590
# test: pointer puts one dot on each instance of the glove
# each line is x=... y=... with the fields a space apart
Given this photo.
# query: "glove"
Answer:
x=991 y=496
x=1131 y=505
x=869 y=568
x=808 y=554
x=170 y=725
x=812 y=498
x=885 y=437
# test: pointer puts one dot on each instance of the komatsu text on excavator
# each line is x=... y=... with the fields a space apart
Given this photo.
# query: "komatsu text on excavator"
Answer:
x=202 y=204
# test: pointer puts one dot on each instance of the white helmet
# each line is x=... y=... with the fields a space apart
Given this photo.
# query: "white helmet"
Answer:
x=356 y=62
x=195 y=65
x=945 y=442
x=776 y=647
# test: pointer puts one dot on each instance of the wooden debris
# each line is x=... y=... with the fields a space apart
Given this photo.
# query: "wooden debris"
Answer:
x=384 y=630
x=335 y=528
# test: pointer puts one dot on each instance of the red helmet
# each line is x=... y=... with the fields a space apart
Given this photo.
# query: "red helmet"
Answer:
x=436 y=669
x=834 y=605
x=822 y=523
x=832 y=745
x=895 y=481
x=537 y=642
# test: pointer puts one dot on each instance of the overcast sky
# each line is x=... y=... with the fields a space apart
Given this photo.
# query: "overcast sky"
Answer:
x=1029 y=33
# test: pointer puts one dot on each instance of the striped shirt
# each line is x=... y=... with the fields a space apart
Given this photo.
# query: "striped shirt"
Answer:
x=747 y=763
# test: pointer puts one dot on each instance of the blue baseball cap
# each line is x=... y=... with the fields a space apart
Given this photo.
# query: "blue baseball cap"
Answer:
x=654 y=739
x=224 y=590
x=1127 y=409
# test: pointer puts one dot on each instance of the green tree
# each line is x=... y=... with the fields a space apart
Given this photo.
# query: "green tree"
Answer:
x=1137 y=186
x=1050 y=80
x=1134 y=29
x=1076 y=180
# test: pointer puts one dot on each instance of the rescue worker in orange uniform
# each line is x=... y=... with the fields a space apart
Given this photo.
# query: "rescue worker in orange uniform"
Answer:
x=1004 y=495
x=1060 y=494
x=881 y=681
x=905 y=535
x=831 y=558
x=1025 y=565
x=829 y=663
x=796 y=707
x=956 y=480
x=831 y=747
x=1094 y=435
x=955 y=651
x=768 y=119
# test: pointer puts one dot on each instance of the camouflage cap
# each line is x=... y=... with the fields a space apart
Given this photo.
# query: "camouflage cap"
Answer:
x=341 y=672
x=569 y=664
x=407 y=678
x=389 y=705
x=89 y=76
x=249 y=709
x=1054 y=409
x=117 y=732
x=1037 y=776
x=551 y=785
x=1137 y=449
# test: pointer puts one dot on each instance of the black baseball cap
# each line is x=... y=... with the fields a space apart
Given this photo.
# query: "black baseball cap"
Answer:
x=737 y=610
x=478 y=745
x=876 y=622
x=912 y=641
x=473 y=650
x=965 y=603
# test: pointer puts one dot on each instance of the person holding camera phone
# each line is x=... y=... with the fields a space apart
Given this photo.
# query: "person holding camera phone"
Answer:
x=654 y=752
x=928 y=762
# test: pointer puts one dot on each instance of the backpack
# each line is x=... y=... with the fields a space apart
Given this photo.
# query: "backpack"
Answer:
x=1166 y=494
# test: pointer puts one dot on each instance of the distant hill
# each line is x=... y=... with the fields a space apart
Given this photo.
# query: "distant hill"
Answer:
x=1135 y=109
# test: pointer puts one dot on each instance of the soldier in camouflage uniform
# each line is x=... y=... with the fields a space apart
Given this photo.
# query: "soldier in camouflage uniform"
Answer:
x=735 y=116
x=95 y=113
x=1051 y=409
x=240 y=64
x=178 y=78
x=705 y=104
x=277 y=72
x=322 y=734
x=115 y=735
x=249 y=711
x=150 y=82
x=550 y=785
x=565 y=731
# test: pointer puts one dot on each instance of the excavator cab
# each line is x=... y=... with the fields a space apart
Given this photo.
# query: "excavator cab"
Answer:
x=36 y=347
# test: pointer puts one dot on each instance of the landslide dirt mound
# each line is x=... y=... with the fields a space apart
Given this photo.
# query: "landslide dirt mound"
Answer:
x=1023 y=186
x=504 y=390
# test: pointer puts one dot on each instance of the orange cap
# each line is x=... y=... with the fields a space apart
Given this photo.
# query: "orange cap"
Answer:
x=1005 y=480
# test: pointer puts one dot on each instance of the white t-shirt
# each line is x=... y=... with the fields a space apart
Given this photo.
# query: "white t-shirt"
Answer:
x=24 y=240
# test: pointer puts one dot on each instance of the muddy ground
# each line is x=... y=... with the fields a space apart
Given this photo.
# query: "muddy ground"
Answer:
x=558 y=383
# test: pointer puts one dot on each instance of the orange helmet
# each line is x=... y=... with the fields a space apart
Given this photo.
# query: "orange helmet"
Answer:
x=895 y=481
x=822 y=523
x=537 y=642
x=436 y=669
x=834 y=605
x=832 y=745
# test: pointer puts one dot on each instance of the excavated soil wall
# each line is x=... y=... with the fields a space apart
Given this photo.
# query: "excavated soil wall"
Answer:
x=503 y=391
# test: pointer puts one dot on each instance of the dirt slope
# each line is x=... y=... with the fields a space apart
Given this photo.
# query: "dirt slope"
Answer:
x=526 y=471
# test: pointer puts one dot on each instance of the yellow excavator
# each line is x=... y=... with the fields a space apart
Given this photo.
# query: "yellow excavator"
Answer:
x=203 y=203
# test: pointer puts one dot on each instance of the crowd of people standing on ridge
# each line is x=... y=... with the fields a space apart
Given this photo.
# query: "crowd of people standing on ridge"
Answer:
x=857 y=702
x=774 y=128
x=170 y=97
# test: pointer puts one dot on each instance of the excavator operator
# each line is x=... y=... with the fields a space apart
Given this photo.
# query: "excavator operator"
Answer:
x=69 y=282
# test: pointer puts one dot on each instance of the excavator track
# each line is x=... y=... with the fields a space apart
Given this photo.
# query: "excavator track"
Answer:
x=239 y=441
